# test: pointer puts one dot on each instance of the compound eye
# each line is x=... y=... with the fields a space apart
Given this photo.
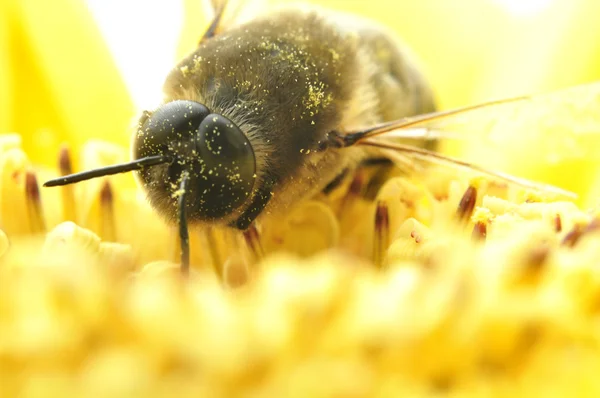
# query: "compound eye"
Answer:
x=229 y=165
x=175 y=121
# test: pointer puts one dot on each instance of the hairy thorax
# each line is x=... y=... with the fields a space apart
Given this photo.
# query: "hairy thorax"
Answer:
x=287 y=80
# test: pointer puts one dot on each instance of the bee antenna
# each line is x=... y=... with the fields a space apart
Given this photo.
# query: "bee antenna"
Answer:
x=183 y=225
x=109 y=170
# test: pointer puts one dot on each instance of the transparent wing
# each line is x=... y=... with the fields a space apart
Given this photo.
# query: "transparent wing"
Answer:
x=554 y=128
x=412 y=152
x=562 y=120
x=563 y=125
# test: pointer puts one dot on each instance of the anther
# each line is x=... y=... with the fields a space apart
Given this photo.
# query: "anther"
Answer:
x=67 y=191
x=467 y=204
x=34 y=204
x=382 y=233
x=537 y=258
x=594 y=225
x=572 y=237
x=557 y=223
x=107 y=213
x=479 y=231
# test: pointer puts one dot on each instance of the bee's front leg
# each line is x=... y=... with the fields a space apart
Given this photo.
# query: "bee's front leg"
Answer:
x=260 y=200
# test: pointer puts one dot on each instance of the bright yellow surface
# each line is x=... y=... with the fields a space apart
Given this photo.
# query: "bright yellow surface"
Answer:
x=479 y=50
x=59 y=85
x=58 y=82
x=517 y=316
x=476 y=50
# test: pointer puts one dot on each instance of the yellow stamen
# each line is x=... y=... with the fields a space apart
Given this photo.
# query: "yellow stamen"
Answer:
x=557 y=223
x=382 y=233
x=467 y=204
x=33 y=202
x=481 y=218
x=107 y=214
x=479 y=230
x=67 y=191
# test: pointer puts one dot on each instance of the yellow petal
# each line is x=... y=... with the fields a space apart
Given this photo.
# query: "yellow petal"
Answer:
x=9 y=141
x=7 y=90
x=51 y=77
x=4 y=244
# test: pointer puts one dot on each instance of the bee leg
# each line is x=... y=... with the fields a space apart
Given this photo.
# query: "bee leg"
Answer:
x=259 y=202
x=370 y=162
x=183 y=226
x=219 y=9
x=252 y=238
x=381 y=174
x=335 y=182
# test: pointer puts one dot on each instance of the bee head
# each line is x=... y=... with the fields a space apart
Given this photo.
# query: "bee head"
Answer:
x=216 y=155
x=183 y=138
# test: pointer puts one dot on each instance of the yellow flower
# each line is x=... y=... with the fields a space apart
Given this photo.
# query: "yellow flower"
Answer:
x=53 y=58
x=435 y=284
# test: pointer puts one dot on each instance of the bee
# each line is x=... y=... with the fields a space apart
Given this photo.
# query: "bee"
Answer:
x=264 y=114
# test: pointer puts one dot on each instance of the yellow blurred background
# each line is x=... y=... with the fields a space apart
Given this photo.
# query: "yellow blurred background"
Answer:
x=72 y=70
